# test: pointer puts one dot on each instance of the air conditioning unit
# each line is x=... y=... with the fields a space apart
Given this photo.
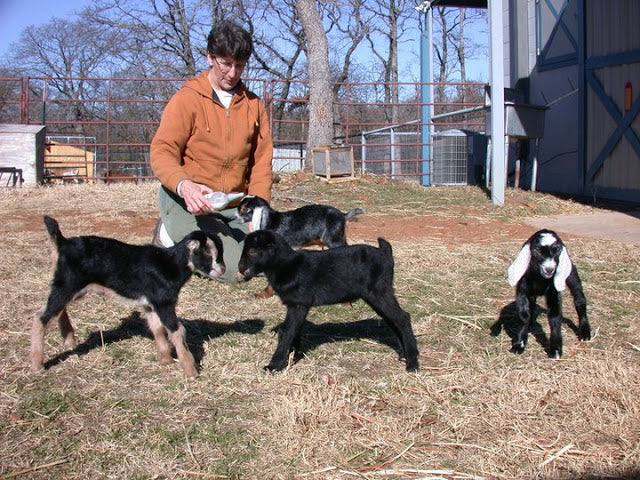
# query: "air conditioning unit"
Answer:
x=459 y=157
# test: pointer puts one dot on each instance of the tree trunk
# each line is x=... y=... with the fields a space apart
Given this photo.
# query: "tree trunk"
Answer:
x=320 y=98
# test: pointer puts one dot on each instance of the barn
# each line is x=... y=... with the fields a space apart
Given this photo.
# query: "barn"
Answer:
x=581 y=60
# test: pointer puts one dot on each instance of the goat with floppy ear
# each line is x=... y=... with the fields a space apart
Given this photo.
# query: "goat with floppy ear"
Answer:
x=543 y=267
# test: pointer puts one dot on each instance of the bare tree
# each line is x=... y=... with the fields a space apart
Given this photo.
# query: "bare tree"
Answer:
x=161 y=37
x=320 y=99
x=68 y=53
x=391 y=18
x=279 y=46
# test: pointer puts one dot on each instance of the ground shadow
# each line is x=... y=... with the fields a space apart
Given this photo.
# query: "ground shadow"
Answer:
x=198 y=332
x=314 y=335
x=509 y=323
x=629 y=474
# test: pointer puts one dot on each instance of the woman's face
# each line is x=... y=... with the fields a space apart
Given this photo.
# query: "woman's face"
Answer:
x=225 y=73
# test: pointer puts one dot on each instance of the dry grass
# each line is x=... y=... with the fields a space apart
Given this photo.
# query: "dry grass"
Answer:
x=348 y=409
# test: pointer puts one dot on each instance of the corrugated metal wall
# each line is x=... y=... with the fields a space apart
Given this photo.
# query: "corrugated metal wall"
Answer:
x=612 y=33
x=585 y=52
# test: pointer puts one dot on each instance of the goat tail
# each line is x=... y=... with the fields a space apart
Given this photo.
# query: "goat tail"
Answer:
x=353 y=212
x=53 y=229
x=385 y=247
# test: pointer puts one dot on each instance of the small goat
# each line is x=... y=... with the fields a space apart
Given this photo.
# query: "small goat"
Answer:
x=308 y=225
x=543 y=267
x=139 y=275
x=303 y=279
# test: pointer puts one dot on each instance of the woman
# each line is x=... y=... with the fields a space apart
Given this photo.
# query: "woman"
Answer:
x=213 y=137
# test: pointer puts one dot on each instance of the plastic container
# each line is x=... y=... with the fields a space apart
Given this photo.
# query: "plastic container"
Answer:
x=220 y=200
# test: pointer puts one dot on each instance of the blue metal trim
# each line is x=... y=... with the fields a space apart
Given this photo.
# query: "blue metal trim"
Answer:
x=622 y=58
x=582 y=97
x=544 y=61
x=426 y=97
x=567 y=60
x=613 y=193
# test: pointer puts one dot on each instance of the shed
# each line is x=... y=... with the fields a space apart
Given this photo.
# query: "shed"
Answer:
x=22 y=147
x=64 y=162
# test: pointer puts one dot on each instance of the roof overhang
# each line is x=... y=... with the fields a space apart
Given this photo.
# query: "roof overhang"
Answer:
x=460 y=3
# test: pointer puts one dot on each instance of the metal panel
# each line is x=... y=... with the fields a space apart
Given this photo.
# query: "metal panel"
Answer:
x=591 y=144
x=557 y=33
x=555 y=84
x=613 y=62
x=559 y=168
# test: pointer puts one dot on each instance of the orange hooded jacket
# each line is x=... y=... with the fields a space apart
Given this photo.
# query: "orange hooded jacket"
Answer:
x=228 y=150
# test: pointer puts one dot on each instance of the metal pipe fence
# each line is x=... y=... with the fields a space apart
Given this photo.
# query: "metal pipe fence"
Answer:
x=100 y=129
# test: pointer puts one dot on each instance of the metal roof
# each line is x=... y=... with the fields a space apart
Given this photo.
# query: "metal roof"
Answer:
x=460 y=3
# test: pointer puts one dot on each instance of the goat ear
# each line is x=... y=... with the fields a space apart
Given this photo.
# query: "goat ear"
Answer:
x=192 y=245
x=562 y=270
x=519 y=265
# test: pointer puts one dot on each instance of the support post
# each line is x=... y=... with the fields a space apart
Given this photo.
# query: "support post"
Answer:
x=426 y=90
x=498 y=166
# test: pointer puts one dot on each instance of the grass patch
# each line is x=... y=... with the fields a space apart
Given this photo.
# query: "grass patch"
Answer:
x=347 y=408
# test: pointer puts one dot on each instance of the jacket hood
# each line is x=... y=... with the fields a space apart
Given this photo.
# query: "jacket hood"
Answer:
x=201 y=85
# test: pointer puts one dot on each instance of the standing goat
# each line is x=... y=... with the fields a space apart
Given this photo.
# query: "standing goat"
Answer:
x=308 y=225
x=543 y=267
x=140 y=275
x=304 y=279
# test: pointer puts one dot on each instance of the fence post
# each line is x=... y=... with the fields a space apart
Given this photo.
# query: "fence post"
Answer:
x=426 y=92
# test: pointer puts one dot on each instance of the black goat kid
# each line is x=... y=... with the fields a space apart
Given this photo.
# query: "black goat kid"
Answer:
x=139 y=275
x=543 y=267
x=309 y=225
x=303 y=279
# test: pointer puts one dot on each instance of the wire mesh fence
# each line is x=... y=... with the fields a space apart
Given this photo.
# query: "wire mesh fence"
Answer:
x=106 y=130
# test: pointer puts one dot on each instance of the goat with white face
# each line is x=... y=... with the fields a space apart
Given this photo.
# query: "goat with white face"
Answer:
x=543 y=267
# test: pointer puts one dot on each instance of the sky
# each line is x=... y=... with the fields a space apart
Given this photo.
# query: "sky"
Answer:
x=16 y=15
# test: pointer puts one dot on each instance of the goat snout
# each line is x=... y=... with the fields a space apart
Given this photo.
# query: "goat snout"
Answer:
x=548 y=268
x=217 y=269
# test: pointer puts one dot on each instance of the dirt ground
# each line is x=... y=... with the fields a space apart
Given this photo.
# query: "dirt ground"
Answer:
x=346 y=408
x=452 y=231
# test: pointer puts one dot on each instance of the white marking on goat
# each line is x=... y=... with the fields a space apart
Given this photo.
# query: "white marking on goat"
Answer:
x=256 y=218
x=519 y=265
x=141 y=301
x=548 y=267
x=547 y=239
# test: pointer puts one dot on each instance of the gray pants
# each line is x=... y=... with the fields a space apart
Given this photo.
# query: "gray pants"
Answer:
x=179 y=223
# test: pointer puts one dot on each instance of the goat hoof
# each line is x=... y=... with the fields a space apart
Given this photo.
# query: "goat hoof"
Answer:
x=37 y=368
x=518 y=348
x=556 y=354
x=191 y=373
x=165 y=360
x=584 y=334
x=412 y=366
x=271 y=368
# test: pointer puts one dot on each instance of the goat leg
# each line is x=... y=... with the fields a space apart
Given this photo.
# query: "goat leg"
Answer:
x=388 y=308
x=288 y=334
x=177 y=336
x=525 y=307
x=66 y=330
x=580 y=303
x=160 y=337
x=554 y=304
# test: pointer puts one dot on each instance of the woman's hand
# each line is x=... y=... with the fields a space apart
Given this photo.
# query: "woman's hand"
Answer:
x=193 y=194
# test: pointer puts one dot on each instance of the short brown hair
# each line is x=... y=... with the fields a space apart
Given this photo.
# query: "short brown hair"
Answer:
x=229 y=40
